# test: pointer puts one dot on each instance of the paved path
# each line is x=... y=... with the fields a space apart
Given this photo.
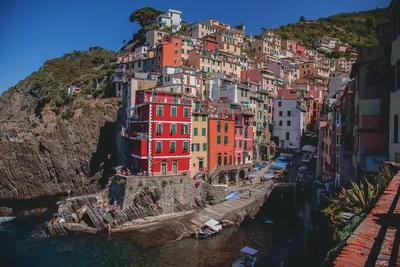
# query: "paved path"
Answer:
x=229 y=208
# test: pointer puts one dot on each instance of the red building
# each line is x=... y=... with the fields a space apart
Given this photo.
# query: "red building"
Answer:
x=169 y=53
x=160 y=133
x=300 y=50
x=209 y=42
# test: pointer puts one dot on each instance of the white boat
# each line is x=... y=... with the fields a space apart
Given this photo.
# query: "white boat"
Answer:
x=210 y=228
x=248 y=258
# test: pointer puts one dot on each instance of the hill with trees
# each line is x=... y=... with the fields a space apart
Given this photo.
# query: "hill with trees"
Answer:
x=357 y=29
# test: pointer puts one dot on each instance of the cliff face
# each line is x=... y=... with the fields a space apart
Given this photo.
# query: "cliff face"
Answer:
x=57 y=155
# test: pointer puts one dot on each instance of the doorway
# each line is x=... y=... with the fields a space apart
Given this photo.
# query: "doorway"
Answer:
x=163 y=167
x=175 y=167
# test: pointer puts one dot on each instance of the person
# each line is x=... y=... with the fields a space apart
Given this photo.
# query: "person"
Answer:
x=250 y=193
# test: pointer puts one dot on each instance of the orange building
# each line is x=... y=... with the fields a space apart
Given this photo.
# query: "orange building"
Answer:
x=169 y=53
x=221 y=140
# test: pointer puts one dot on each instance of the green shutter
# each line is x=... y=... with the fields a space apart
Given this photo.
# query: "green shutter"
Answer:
x=225 y=139
x=204 y=146
x=195 y=132
x=226 y=127
x=241 y=130
x=240 y=143
x=186 y=112
x=203 y=131
x=173 y=128
x=218 y=139
x=159 y=128
x=159 y=146
x=196 y=117
x=203 y=117
x=172 y=146
x=173 y=111
x=186 y=146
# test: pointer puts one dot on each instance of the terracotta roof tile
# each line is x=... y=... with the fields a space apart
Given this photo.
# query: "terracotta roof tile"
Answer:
x=374 y=241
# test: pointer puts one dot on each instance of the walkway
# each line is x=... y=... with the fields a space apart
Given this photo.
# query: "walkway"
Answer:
x=376 y=240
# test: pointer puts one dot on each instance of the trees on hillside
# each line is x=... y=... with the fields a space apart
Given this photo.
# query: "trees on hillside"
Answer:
x=302 y=18
x=145 y=16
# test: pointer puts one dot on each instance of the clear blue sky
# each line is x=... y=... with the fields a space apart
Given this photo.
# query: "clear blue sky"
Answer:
x=32 y=32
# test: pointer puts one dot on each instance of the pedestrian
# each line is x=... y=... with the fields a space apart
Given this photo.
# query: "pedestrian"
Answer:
x=250 y=193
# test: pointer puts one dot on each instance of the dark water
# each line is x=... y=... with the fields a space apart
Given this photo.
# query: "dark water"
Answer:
x=22 y=243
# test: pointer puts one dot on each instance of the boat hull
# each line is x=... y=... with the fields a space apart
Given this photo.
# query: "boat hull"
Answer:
x=201 y=236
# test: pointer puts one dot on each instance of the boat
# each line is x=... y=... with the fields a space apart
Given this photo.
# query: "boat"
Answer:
x=248 y=258
x=210 y=229
x=232 y=195
x=269 y=222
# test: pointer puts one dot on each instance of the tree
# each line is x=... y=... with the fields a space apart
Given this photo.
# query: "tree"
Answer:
x=302 y=18
x=145 y=16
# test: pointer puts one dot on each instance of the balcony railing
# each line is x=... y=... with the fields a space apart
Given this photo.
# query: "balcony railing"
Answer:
x=201 y=110
x=136 y=118
x=167 y=100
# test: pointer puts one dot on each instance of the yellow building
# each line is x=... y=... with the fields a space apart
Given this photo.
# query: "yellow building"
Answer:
x=313 y=68
x=200 y=133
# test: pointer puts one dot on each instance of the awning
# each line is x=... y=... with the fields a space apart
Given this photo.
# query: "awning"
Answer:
x=249 y=250
x=309 y=148
x=211 y=223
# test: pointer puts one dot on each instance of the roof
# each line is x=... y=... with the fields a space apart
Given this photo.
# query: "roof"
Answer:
x=375 y=241
x=249 y=250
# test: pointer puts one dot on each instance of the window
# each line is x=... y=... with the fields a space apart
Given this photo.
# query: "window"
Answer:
x=240 y=143
x=158 y=146
x=289 y=113
x=196 y=132
x=203 y=117
x=226 y=127
x=230 y=159
x=183 y=51
x=288 y=123
x=173 y=111
x=279 y=103
x=159 y=128
x=172 y=146
x=185 y=146
x=195 y=147
x=159 y=110
x=218 y=139
x=287 y=135
x=185 y=129
x=219 y=126
x=196 y=117
x=201 y=163
x=219 y=159
x=203 y=131
x=225 y=140
x=280 y=123
x=204 y=146
x=338 y=139
x=225 y=159
x=396 y=129
x=185 y=112
x=280 y=113
x=241 y=131
x=173 y=128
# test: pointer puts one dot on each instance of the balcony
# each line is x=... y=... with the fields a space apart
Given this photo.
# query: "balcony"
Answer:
x=238 y=123
x=137 y=117
x=140 y=135
x=247 y=111
x=201 y=110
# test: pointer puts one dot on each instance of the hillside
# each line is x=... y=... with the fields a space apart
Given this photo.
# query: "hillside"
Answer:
x=356 y=29
x=46 y=85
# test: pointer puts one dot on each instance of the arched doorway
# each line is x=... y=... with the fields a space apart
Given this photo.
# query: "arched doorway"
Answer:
x=222 y=178
x=164 y=167
x=242 y=174
x=225 y=159
x=219 y=159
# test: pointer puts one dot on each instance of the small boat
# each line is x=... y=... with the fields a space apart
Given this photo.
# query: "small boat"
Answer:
x=248 y=258
x=269 y=222
x=210 y=228
x=232 y=195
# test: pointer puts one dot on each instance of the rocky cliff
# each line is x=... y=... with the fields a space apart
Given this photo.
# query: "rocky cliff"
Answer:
x=51 y=142
x=59 y=155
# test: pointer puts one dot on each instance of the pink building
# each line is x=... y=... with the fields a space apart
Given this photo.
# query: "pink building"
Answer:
x=300 y=50
x=243 y=138
x=341 y=47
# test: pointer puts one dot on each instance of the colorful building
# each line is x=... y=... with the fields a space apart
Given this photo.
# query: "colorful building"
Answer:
x=159 y=133
x=221 y=140
x=243 y=138
x=199 y=138
x=169 y=53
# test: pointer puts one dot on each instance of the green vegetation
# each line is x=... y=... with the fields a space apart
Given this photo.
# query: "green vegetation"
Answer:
x=356 y=29
x=84 y=67
x=358 y=199
x=145 y=17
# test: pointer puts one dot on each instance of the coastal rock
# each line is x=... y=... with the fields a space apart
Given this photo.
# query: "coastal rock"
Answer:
x=5 y=211
x=55 y=155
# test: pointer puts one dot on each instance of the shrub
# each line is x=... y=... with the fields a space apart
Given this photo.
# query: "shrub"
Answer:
x=140 y=183
x=67 y=114
x=164 y=183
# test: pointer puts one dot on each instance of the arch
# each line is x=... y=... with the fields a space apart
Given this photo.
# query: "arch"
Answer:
x=219 y=159
x=225 y=158
x=242 y=174
x=221 y=178
x=164 y=167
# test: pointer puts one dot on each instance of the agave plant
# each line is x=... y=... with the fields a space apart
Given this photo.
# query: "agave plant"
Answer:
x=358 y=197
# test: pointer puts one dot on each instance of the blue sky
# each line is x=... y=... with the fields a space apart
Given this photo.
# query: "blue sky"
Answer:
x=32 y=32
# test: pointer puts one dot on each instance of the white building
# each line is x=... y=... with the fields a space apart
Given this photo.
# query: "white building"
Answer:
x=289 y=122
x=172 y=19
